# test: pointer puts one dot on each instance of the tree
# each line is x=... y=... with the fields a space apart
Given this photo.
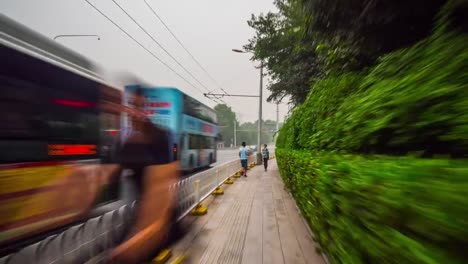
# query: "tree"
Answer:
x=226 y=118
x=248 y=132
x=290 y=60
x=371 y=27
x=309 y=40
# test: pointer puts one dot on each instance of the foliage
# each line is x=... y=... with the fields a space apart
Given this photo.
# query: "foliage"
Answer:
x=290 y=59
x=247 y=132
x=226 y=119
x=387 y=209
x=414 y=100
x=371 y=27
x=309 y=40
x=380 y=209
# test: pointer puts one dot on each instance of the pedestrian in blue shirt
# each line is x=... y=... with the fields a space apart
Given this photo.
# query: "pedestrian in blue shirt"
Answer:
x=266 y=156
x=243 y=153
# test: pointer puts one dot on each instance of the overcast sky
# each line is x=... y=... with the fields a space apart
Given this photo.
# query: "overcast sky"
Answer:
x=209 y=29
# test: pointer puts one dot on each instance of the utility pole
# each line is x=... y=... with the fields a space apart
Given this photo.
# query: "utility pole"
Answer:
x=260 y=97
x=277 y=116
x=235 y=134
x=259 y=135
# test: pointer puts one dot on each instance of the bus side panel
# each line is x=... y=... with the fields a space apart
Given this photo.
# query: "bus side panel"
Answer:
x=49 y=147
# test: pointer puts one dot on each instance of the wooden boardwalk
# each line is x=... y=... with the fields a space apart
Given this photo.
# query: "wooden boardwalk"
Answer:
x=255 y=221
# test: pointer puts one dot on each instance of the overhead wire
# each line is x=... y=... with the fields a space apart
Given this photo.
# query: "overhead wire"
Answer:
x=165 y=50
x=159 y=44
x=142 y=46
x=183 y=46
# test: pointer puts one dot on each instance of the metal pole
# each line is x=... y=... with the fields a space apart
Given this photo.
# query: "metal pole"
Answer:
x=259 y=135
x=235 y=134
x=197 y=190
x=277 y=116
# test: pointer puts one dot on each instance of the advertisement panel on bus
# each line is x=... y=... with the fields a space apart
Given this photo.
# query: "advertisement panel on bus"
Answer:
x=161 y=105
x=39 y=196
x=197 y=126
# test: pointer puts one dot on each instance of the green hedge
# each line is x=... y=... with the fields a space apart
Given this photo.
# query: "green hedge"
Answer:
x=391 y=208
x=381 y=209
x=413 y=100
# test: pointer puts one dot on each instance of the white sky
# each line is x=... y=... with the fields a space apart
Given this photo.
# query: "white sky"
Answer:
x=209 y=29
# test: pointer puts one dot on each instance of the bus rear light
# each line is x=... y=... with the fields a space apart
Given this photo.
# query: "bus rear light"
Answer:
x=65 y=150
x=174 y=150
x=73 y=103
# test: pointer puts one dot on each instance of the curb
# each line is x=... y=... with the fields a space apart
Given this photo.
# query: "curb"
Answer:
x=322 y=253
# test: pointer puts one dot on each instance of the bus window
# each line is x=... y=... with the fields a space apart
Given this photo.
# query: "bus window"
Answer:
x=201 y=142
x=193 y=142
x=182 y=142
x=22 y=132
x=72 y=126
x=196 y=109
x=29 y=111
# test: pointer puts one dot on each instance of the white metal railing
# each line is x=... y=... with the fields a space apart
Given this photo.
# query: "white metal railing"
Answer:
x=196 y=188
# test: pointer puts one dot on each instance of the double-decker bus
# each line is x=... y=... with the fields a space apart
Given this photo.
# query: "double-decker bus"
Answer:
x=58 y=126
x=192 y=125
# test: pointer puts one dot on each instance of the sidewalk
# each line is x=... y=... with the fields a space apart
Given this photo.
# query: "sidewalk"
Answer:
x=255 y=221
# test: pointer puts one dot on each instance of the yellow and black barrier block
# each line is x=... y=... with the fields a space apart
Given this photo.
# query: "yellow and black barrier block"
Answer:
x=179 y=260
x=162 y=257
x=228 y=181
x=218 y=191
x=200 y=209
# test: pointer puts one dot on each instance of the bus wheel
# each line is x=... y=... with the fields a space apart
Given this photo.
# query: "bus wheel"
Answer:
x=211 y=159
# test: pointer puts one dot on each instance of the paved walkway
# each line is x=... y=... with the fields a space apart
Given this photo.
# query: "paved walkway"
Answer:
x=255 y=221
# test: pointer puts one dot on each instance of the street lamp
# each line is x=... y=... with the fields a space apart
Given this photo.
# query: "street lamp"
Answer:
x=278 y=102
x=239 y=51
x=72 y=36
x=259 y=132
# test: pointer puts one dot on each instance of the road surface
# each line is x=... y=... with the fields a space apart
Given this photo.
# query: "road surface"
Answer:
x=225 y=155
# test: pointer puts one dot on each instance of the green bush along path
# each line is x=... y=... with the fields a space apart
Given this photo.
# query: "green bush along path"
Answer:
x=375 y=152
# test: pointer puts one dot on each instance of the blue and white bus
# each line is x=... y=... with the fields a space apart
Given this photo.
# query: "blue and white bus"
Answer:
x=191 y=124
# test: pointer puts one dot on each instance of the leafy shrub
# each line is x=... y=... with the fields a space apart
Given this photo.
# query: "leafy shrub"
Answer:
x=381 y=209
x=414 y=100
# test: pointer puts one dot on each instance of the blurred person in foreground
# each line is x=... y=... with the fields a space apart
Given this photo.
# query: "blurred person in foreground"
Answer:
x=265 y=156
x=243 y=153
x=145 y=153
